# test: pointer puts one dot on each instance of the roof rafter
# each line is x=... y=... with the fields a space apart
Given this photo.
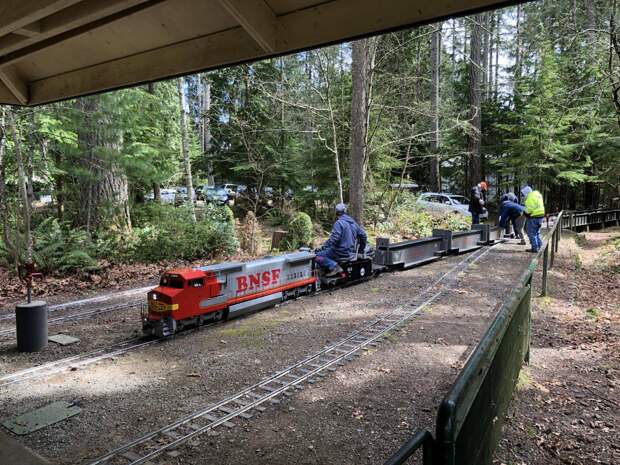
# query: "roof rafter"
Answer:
x=29 y=30
x=15 y=14
x=15 y=84
x=257 y=19
x=68 y=23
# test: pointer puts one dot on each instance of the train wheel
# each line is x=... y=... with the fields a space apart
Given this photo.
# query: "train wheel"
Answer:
x=218 y=316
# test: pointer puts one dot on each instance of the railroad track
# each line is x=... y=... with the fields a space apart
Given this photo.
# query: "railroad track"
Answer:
x=81 y=315
x=249 y=401
x=75 y=361
x=10 y=315
x=123 y=347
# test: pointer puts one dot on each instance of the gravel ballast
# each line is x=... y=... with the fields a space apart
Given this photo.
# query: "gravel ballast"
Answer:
x=359 y=414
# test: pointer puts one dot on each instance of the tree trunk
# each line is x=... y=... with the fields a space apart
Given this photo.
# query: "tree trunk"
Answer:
x=473 y=137
x=360 y=71
x=104 y=197
x=497 y=46
x=150 y=88
x=185 y=148
x=23 y=189
x=435 y=174
x=4 y=204
x=205 y=126
x=484 y=31
x=518 y=46
x=156 y=192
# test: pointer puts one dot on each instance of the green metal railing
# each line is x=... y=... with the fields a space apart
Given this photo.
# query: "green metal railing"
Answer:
x=575 y=220
x=471 y=415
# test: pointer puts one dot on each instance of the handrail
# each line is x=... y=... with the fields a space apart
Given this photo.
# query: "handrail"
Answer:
x=422 y=439
x=465 y=434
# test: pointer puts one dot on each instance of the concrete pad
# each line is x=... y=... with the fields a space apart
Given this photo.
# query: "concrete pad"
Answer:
x=13 y=453
x=41 y=417
x=63 y=339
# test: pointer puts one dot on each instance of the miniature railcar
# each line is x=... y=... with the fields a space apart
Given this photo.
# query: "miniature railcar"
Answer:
x=194 y=296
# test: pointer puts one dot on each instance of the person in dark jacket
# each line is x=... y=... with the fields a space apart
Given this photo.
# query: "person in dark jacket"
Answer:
x=345 y=240
x=510 y=209
x=476 y=203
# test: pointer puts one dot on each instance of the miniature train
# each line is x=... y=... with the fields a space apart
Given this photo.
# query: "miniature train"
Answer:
x=195 y=296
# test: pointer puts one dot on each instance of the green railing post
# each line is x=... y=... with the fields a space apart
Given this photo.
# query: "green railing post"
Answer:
x=545 y=270
x=552 y=245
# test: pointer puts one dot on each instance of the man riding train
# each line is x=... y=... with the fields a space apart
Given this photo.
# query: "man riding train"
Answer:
x=346 y=239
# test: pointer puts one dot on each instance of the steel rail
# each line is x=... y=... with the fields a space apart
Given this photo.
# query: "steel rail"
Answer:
x=239 y=404
x=75 y=361
x=81 y=315
x=10 y=315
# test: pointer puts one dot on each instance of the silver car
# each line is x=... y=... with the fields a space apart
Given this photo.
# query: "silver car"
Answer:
x=443 y=202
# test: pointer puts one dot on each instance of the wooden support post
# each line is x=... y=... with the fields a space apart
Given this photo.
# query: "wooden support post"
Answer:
x=276 y=238
x=545 y=270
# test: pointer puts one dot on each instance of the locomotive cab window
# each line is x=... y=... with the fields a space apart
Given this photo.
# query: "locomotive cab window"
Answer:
x=196 y=282
x=172 y=280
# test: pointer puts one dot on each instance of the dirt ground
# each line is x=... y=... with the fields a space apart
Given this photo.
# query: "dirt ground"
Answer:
x=567 y=406
x=359 y=414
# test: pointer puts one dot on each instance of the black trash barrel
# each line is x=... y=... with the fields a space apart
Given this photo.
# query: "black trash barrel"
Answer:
x=31 y=322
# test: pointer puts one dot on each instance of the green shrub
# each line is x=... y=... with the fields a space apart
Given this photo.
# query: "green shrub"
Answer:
x=165 y=232
x=61 y=248
x=299 y=232
x=407 y=220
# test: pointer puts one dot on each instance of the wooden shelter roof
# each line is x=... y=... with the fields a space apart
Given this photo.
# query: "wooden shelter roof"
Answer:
x=57 y=49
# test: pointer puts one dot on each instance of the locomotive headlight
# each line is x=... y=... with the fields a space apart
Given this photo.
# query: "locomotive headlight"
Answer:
x=154 y=296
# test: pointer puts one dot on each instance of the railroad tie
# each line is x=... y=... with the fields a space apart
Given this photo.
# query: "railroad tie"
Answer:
x=226 y=409
x=131 y=456
x=172 y=435
x=213 y=419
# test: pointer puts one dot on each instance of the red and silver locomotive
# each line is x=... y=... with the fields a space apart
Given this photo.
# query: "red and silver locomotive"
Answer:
x=195 y=296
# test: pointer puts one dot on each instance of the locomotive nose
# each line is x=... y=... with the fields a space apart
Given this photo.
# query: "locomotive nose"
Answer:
x=161 y=300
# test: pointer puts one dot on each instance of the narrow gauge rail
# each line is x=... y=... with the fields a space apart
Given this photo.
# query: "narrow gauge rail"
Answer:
x=10 y=315
x=81 y=315
x=113 y=350
x=248 y=401
x=75 y=361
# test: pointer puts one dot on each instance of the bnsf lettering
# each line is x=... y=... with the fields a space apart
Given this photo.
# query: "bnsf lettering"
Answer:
x=257 y=280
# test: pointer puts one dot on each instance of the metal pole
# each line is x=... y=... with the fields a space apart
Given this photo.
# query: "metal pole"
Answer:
x=545 y=270
x=552 y=245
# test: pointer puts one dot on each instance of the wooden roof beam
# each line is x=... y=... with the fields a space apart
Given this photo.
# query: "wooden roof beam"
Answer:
x=257 y=19
x=15 y=14
x=67 y=23
x=29 y=30
x=15 y=84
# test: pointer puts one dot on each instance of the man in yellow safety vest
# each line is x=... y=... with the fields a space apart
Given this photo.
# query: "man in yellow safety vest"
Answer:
x=535 y=213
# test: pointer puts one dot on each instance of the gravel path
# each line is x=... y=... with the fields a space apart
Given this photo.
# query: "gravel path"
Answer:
x=360 y=414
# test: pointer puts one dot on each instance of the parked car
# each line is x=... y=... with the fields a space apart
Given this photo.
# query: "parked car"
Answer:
x=231 y=189
x=216 y=195
x=445 y=202
x=167 y=195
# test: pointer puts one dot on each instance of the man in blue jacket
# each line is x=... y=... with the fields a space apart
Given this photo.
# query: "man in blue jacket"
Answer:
x=346 y=238
x=509 y=209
